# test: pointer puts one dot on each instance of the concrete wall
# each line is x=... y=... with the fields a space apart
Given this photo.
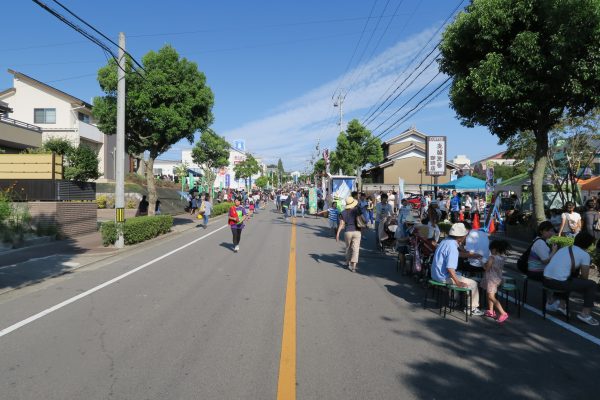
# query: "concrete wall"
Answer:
x=71 y=218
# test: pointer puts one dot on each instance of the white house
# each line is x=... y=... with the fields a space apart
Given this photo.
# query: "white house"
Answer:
x=59 y=114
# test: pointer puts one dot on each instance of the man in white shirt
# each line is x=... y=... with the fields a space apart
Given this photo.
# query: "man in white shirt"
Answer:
x=382 y=211
x=477 y=243
x=559 y=272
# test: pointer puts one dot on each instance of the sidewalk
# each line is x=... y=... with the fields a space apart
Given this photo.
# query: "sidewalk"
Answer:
x=29 y=265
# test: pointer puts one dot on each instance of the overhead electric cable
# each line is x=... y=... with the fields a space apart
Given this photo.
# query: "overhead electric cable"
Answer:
x=355 y=49
x=407 y=101
x=433 y=36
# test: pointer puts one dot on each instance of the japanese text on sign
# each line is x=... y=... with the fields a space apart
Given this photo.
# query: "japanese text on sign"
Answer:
x=436 y=155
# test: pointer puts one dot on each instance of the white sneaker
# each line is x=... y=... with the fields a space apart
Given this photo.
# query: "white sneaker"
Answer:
x=552 y=306
x=236 y=248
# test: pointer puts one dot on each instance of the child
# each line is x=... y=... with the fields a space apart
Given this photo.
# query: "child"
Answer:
x=492 y=278
x=333 y=217
x=251 y=207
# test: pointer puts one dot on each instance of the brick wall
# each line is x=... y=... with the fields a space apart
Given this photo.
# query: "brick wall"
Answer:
x=71 y=218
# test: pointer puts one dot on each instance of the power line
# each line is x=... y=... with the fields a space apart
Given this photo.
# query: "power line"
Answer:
x=99 y=33
x=372 y=117
x=356 y=47
x=403 y=117
x=84 y=33
x=433 y=36
x=362 y=54
x=407 y=101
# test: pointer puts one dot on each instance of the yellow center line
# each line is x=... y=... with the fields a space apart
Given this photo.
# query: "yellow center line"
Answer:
x=286 y=387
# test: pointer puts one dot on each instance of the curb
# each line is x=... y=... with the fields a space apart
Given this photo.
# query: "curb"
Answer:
x=101 y=256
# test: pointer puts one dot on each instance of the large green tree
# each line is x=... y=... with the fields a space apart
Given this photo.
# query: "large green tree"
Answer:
x=356 y=148
x=211 y=152
x=166 y=103
x=247 y=168
x=523 y=65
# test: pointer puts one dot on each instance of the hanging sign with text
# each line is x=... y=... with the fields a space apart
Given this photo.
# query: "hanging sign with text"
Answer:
x=435 y=153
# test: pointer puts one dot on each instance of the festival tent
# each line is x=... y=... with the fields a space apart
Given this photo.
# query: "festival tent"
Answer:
x=464 y=183
x=589 y=186
x=514 y=184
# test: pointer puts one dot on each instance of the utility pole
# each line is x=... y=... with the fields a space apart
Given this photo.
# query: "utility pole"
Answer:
x=120 y=169
x=340 y=103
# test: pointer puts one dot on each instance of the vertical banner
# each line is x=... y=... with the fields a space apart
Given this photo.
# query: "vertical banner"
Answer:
x=341 y=188
x=227 y=180
x=401 y=194
x=435 y=151
x=312 y=200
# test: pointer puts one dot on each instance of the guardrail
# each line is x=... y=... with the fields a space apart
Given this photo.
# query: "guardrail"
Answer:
x=20 y=124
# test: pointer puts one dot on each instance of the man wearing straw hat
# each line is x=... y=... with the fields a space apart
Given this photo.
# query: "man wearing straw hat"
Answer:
x=445 y=262
x=351 y=232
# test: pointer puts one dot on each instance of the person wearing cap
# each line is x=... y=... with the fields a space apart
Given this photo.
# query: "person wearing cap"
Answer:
x=445 y=262
x=351 y=232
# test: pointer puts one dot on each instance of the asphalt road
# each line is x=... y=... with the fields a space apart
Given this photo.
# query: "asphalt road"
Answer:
x=202 y=322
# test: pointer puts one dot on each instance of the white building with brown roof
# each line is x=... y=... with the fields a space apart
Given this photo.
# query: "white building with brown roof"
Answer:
x=59 y=114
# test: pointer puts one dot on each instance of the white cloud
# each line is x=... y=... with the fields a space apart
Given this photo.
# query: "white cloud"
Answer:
x=292 y=130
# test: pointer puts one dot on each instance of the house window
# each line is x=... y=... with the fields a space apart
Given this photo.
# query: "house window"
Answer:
x=83 y=117
x=44 y=115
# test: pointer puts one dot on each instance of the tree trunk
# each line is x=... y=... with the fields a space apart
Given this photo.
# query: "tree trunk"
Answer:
x=358 y=179
x=537 y=179
x=149 y=165
x=140 y=168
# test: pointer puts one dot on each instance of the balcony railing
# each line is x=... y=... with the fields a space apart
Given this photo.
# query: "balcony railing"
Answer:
x=20 y=124
x=90 y=132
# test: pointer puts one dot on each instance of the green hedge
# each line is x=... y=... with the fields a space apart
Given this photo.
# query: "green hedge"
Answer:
x=221 y=208
x=138 y=229
x=561 y=241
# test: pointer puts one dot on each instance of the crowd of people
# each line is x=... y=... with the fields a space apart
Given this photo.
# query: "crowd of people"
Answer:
x=466 y=257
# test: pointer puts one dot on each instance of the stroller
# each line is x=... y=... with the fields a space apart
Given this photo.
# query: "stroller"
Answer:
x=387 y=234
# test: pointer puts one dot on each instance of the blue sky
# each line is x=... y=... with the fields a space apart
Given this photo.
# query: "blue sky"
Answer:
x=273 y=65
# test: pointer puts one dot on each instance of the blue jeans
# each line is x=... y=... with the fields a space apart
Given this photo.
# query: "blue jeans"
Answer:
x=205 y=219
x=371 y=218
x=294 y=209
x=302 y=211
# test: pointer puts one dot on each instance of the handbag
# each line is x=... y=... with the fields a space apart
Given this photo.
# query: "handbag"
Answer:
x=361 y=222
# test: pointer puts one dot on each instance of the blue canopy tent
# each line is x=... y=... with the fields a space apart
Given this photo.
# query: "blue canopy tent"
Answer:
x=464 y=183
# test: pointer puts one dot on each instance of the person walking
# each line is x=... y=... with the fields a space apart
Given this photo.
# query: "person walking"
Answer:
x=351 y=232
x=454 y=207
x=571 y=221
x=302 y=204
x=591 y=219
x=207 y=210
x=237 y=216
x=293 y=204
x=382 y=211
x=143 y=207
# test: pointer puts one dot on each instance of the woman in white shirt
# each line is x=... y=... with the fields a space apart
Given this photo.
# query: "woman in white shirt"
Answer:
x=560 y=271
x=571 y=221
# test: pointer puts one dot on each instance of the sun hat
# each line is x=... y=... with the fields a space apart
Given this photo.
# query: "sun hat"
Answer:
x=350 y=202
x=458 y=230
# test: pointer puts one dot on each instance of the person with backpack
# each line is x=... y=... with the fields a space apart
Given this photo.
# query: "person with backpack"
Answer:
x=563 y=271
x=538 y=255
x=352 y=234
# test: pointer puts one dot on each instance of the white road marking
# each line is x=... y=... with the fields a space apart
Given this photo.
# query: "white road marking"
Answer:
x=561 y=323
x=80 y=296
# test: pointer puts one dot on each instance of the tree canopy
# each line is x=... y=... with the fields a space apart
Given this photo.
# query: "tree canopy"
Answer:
x=247 y=168
x=168 y=102
x=355 y=148
x=522 y=66
x=211 y=152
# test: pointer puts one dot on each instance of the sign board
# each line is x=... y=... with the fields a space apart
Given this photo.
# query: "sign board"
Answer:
x=435 y=153
x=341 y=188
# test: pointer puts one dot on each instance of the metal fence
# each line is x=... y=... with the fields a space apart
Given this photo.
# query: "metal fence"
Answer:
x=48 y=190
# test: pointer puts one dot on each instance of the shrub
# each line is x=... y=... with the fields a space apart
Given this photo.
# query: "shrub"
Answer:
x=561 y=241
x=138 y=229
x=109 y=233
x=131 y=203
x=221 y=208
x=110 y=202
x=101 y=200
